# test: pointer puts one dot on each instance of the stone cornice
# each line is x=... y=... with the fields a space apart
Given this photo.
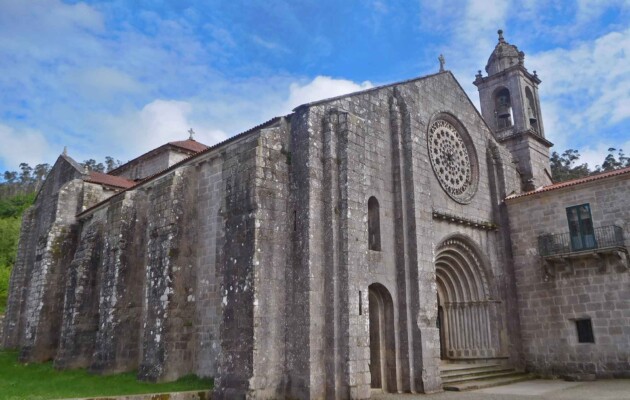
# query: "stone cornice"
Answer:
x=460 y=220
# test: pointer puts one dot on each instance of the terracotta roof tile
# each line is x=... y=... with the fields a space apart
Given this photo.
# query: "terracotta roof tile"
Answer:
x=189 y=144
x=573 y=182
x=182 y=162
x=109 y=180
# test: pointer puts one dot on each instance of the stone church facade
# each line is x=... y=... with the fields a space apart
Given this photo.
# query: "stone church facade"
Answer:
x=359 y=242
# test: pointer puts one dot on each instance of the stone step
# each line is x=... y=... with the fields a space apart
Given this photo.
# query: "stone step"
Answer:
x=485 y=383
x=479 y=376
x=460 y=365
x=472 y=370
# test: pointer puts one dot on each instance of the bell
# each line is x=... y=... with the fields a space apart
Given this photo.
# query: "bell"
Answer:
x=531 y=115
x=503 y=111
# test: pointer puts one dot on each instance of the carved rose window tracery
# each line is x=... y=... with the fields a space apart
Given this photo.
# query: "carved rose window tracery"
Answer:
x=451 y=161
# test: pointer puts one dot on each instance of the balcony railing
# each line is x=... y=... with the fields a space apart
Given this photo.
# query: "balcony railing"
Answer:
x=566 y=243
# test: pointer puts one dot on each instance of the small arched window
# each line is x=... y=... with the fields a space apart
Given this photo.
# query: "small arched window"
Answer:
x=503 y=108
x=374 y=224
x=532 y=114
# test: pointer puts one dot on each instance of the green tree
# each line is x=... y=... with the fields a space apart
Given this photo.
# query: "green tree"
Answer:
x=14 y=206
x=613 y=162
x=11 y=210
x=9 y=233
x=10 y=176
x=93 y=165
x=25 y=175
x=566 y=166
x=5 y=275
x=111 y=164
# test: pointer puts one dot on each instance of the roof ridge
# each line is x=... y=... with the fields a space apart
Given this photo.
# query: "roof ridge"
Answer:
x=363 y=91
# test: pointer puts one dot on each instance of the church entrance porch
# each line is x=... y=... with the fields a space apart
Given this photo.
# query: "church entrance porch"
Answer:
x=468 y=317
x=382 y=342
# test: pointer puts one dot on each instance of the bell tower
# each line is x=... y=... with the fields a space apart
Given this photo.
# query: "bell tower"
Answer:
x=511 y=107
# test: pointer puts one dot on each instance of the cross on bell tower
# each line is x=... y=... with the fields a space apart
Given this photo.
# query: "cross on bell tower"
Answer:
x=511 y=107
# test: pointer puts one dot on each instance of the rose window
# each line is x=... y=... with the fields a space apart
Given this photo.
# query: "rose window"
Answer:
x=451 y=161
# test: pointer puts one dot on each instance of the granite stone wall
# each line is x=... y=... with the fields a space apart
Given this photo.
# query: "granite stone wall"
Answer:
x=374 y=144
x=120 y=277
x=235 y=263
x=207 y=291
x=593 y=286
x=148 y=166
x=80 y=312
x=33 y=318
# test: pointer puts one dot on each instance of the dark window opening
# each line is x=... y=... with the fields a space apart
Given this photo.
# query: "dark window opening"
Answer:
x=374 y=225
x=294 y=220
x=581 y=227
x=503 y=109
x=584 y=331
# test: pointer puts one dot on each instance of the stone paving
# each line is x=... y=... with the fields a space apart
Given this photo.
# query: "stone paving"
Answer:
x=618 y=389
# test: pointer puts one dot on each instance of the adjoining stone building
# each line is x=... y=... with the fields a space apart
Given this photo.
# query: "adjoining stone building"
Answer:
x=571 y=264
x=350 y=245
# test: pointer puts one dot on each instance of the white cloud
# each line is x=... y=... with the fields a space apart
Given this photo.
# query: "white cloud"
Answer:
x=44 y=29
x=594 y=155
x=482 y=13
x=161 y=120
x=269 y=45
x=321 y=87
x=23 y=145
x=586 y=91
x=130 y=133
x=158 y=122
x=93 y=82
x=587 y=10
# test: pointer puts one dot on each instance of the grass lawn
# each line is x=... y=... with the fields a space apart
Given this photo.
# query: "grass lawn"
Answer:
x=42 y=381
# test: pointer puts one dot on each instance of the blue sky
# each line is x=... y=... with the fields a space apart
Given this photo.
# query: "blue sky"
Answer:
x=121 y=77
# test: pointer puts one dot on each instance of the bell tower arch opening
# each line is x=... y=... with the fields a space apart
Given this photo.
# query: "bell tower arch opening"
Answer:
x=503 y=108
x=532 y=110
x=382 y=341
x=468 y=313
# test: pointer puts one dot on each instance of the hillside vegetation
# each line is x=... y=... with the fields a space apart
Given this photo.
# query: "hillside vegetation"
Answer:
x=11 y=210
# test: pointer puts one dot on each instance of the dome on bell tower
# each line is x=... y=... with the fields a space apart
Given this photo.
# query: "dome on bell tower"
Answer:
x=504 y=56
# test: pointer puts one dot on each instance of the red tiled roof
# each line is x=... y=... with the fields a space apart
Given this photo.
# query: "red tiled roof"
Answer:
x=185 y=160
x=109 y=180
x=573 y=182
x=191 y=145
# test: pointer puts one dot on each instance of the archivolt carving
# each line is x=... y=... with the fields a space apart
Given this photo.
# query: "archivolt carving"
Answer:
x=469 y=314
x=457 y=264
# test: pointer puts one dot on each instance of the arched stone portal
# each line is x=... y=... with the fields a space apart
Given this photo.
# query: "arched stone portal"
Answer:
x=468 y=314
x=382 y=342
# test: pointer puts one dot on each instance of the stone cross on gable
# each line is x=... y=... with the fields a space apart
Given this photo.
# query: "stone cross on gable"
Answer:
x=442 y=62
x=191 y=132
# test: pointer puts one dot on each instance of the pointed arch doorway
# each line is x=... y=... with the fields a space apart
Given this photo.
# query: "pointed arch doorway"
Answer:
x=382 y=341
x=467 y=313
